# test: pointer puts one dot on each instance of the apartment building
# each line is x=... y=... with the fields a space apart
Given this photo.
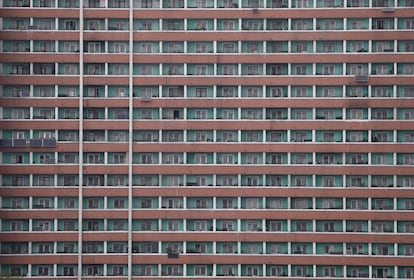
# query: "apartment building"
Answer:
x=207 y=139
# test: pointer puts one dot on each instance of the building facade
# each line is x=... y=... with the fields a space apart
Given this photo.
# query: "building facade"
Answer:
x=208 y=139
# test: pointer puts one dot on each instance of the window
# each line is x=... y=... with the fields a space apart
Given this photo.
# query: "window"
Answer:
x=301 y=226
x=201 y=47
x=174 y=47
x=328 y=203
x=68 y=225
x=275 y=203
x=17 y=158
x=69 y=180
x=20 y=69
x=276 y=69
x=120 y=69
x=227 y=114
x=301 y=271
x=408 y=182
x=328 y=69
x=119 y=225
x=68 y=271
x=300 y=70
x=200 y=114
x=252 y=203
x=70 y=46
x=173 y=136
x=409 y=272
x=45 y=24
x=229 y=181
x=117 y=4
x=201 y=136
x=146 y=48
x=147 y=181
x=380 y=137
x=228 y=204
x=275 y=226
x=146 y=70
x=200 y=225
x=383 y=249
x=146 y=159
x=300 y=249
x=42 y=226
x=16 y=203
x=94 y=47
x=356 y=226
x=43 y=270
x=328 y=181
x=252 y=180
x=44 y=180
x=201 y=180
x=275 y=24
x=408 y=159
x=301 y=92
x=408 y=69
x=275 y=136
x=228 y=69
x=381 y=227
x=382 y=46
x=201 y=25
x=201 y=92
x=356 y=114
x=301 y=4
x=253 y=226
x=69 y=203
x=409 y=24
x=253 y=114
x=16 y=226
x=253 y=70
x=228 y=25
x=252 y=25
x=358 y=69
x=301 y=114
x=201 y=70
x=17 y=181
x=329 y=227
x=92 y=203
x=228 y=248
x=146 y=114
x=92 y=270
x=276 y=271
x=69 y=113
x=252 y=92
x=94 y=69
x=200 y=270
x=302 y=25
x=175 y=92
x=173 y=180
x=173 y=225
x=201 y=203
x=146 y=24
x=228 y=136
x=382 y=23
x=92 y=226
x=357 y=46
x=229 y=48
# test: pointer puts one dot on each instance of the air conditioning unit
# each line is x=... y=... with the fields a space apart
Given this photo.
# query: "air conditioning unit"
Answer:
x=146 y=98
x=361 y=78
x=388 y=9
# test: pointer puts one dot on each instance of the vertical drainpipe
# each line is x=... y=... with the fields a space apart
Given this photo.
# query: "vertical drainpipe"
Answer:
x=80 y=190
x=130 y=132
